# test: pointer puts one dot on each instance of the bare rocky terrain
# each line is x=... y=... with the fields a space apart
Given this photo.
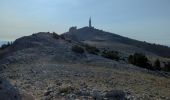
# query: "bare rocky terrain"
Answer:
x=43 y=66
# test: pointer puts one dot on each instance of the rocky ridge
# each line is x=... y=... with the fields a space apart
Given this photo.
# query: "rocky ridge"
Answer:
x=45 y=67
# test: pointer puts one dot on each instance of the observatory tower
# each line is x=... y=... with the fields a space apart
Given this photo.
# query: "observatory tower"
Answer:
x=90 y=23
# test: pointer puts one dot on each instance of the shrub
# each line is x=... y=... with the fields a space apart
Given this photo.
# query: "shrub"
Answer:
x=6 y=45
x=68 y=40
x=157 y=65
x=55 y=35
x=66 y=89
x=77 y=49
x=111 y=55
x=91 y=49
x=167 y=67
x=140 y=60
x=62 y=36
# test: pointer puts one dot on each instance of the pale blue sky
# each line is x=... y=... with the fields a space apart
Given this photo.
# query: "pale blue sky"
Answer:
x=146 y=20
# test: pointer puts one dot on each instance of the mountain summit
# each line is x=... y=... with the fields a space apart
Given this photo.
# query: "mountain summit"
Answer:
x=102 y=39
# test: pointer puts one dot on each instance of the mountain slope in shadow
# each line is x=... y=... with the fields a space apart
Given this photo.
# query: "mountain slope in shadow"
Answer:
x=104 y=39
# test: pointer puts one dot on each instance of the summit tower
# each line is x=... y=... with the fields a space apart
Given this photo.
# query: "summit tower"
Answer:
x=90 y=23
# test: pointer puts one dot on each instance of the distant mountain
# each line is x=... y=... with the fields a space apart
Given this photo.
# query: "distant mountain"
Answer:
x=102 y=39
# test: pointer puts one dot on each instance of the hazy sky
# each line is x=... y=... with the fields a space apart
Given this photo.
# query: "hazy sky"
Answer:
x=146 y=20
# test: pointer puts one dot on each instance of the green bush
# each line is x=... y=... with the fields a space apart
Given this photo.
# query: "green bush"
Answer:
x=66 y=89
x=167 y=67
x=62 y=37
x=77 y=49
x=157 y=65
x=140 y=60
x=91 y=49
x=55 y=35
x=4 y=46
x=111 y=55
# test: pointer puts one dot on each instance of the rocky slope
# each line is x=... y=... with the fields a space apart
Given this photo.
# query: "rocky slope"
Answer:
x=44 y=67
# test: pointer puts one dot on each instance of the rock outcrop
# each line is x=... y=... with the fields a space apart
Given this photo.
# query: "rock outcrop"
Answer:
x=7 y=91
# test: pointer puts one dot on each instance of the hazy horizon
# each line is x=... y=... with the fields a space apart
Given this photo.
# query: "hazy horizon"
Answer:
x=141 y=20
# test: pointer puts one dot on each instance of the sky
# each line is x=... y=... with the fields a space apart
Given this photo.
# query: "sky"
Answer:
x=145 y=20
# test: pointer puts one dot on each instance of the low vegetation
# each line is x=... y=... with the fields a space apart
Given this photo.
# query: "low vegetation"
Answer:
x=111 y=55
x=91 y=49
x=78 y=49
x=140 y=60
x=5 y=45
x=167 y=67
x=137 y=59
x=66 y=89
x=55 y=35
x=157 y=65
x=62 y=36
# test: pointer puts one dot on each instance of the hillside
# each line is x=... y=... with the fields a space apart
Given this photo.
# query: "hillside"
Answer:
x=102 y=39
x=44 y=66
